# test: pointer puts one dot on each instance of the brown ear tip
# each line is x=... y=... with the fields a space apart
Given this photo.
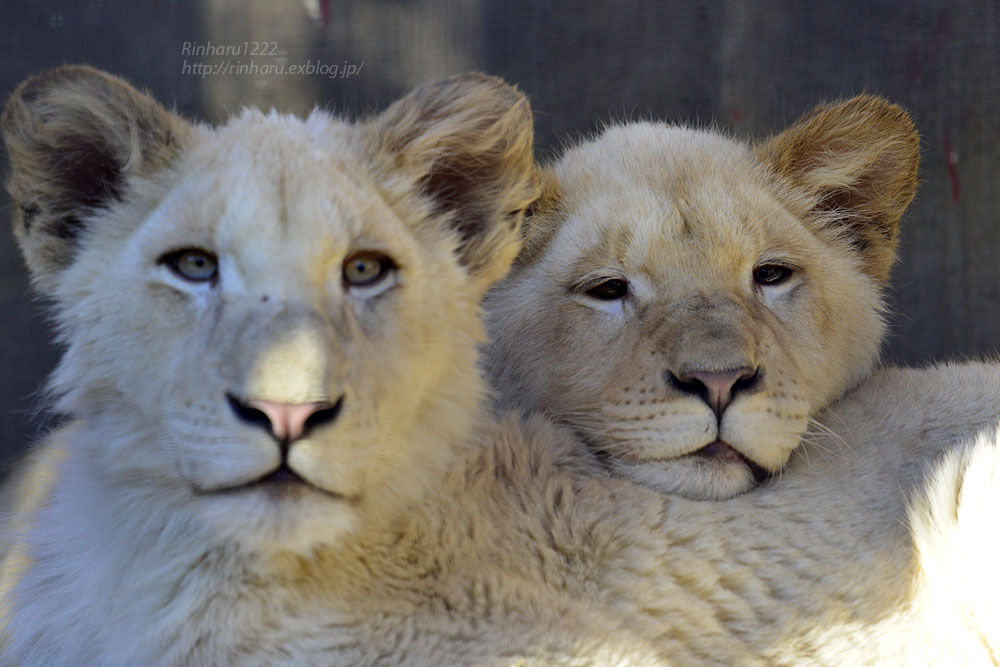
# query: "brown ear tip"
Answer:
x=475 y=77
x=43 y=85
x=37 y=85
x=487 y=83
x=883 y=110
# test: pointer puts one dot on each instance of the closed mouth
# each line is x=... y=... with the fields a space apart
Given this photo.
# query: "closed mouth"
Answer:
x=280 y=482
x=281 y=476
x=723 y=452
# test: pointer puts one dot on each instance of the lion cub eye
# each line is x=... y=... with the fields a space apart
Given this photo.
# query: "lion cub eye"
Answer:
x=609 y=290
x=366 y=269
x=192 y=264
x=771 y=274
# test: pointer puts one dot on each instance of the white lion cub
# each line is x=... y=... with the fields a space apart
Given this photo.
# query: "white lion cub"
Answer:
x=271 y=334
x=687 y=303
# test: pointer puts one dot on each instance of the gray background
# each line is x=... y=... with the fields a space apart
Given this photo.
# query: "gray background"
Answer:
x=749 y=67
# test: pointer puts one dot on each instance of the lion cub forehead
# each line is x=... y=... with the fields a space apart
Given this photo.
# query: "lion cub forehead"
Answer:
x=273 y=173
x=318 y=150
x=657 y=155
x=701 y=179
x=643 y=192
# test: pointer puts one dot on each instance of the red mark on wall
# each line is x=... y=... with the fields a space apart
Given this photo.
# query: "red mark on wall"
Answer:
x=737 y=116
x=952 y=158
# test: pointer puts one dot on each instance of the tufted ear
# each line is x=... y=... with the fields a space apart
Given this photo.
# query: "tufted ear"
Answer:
x=75 y=135
x=856 y=164
x=465 y=143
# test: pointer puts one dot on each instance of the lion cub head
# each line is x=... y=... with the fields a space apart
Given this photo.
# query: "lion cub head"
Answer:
x=685 y=301
x=271 y=327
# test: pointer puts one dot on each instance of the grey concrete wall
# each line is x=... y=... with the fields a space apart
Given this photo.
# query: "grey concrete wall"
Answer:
x=750 y=67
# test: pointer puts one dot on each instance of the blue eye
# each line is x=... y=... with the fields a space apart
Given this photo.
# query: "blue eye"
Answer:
x=192 y=264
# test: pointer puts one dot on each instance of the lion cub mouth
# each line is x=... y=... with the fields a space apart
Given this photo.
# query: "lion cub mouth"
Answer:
x=282 y=482
x=285 y=482
x=724 y=453
x=282 y=476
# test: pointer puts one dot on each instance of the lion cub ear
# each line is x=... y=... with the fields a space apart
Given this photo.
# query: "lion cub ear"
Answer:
x=542 y=219
x=466 y=144
x=856 y=163
x=75 y=136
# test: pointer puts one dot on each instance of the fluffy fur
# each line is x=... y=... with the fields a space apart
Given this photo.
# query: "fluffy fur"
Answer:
x=162 y=511
x=688 y=219
x=149 y=531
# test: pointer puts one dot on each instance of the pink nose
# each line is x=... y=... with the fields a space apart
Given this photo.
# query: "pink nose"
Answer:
x=717 y=388
x=288 y=420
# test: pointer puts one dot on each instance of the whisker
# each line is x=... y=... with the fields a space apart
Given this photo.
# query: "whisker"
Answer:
x=826 y=430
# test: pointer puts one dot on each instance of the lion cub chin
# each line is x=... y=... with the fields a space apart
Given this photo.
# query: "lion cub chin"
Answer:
x=687 y=302
x=271 y=333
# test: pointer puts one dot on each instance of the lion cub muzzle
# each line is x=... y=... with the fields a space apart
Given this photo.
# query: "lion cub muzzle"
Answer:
x=711 y=352
x=287 y=423
x=717 y=388
x=288 y=400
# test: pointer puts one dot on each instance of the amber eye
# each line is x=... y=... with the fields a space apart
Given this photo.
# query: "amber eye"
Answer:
x=771 y=274
x=609 y=290
x=192 y=264
x=365 y=269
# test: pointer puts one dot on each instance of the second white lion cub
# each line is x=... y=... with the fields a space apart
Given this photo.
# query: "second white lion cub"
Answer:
x=687 y=302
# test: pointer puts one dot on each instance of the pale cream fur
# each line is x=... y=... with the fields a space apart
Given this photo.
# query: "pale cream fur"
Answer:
x=141 y=534
x=524 y=552
x=853 y=554
x=685 y=217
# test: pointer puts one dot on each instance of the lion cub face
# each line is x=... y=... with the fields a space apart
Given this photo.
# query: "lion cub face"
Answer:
x=271 y=325
x=686 y=302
